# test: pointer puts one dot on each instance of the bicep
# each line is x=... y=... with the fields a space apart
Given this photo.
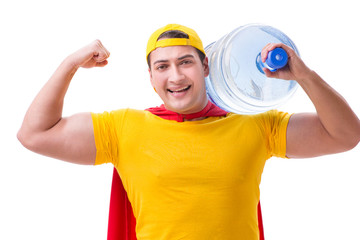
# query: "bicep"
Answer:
x=306 y=137
x=71 y=140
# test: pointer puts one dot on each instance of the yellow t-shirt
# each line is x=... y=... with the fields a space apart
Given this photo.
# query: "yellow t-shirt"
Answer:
x=191 y=180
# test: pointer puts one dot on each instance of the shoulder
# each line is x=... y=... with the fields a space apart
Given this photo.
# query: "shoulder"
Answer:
x=117 y=118
x=125 y=112
x=265 y=121
x=271 y=117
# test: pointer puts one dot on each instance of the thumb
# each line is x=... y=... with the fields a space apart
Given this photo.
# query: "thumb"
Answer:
x=270 y=74
x=101 y=64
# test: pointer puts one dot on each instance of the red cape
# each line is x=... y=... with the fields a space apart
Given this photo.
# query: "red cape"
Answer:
x=121 y=217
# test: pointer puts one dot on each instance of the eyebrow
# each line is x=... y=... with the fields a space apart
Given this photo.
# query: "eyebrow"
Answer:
x=180 y=58
x=186 y=56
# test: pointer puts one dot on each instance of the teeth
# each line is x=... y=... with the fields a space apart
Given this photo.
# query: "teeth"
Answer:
x=179 y=90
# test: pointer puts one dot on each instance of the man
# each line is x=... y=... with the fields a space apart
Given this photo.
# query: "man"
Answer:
x=196 y=179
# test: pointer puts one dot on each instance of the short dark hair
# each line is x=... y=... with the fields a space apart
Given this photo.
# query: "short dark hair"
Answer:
x=177 y=34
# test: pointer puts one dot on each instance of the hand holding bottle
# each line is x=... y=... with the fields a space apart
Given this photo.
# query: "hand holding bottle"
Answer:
x=295 y=68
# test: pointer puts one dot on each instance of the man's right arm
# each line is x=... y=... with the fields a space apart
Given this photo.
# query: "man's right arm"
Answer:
x=45 y=130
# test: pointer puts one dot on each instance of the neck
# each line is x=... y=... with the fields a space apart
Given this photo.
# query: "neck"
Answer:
x=190 y=111
x=210 y=110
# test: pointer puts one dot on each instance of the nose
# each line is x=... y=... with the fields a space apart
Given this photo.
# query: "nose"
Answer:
x=176 y=75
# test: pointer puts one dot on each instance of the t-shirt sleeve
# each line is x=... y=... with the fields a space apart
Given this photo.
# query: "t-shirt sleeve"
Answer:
x=107 y=130
x=274 y=125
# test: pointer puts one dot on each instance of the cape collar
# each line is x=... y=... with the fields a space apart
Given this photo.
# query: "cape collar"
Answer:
x=210 y=110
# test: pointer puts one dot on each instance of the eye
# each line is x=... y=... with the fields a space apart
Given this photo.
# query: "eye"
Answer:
x=161 y=67
x=186 y=61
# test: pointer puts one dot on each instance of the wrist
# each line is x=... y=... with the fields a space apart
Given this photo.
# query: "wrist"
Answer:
x=67 y=68
x=71 y=62
x=307 y=77
x=310 y=81
x=78 y=58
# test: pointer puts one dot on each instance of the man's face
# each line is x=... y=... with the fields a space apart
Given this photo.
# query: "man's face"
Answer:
x=178 y=76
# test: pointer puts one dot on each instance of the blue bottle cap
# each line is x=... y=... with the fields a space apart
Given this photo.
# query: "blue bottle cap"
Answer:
x=277 y=58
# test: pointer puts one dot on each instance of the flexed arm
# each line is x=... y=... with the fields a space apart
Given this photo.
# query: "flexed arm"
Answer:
x=45 y=131
x=333 y=128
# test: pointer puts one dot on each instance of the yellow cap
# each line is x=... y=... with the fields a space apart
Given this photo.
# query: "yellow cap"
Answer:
x=193 y=40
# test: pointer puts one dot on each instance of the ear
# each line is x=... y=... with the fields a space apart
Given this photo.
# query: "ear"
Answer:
x=206 y=67
x=150 y=74
x=151 y=79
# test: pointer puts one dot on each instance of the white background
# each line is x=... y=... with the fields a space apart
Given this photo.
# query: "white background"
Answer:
x=42 y=198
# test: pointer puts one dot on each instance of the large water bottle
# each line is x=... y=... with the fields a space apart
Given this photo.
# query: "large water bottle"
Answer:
x=236 y=82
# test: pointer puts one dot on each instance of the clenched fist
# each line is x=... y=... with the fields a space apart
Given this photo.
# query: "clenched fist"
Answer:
x=92 y=55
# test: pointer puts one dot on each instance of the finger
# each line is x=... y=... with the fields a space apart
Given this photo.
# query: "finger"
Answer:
x=101 y=53
x=268 y=47
x=107 y=53
x=264 y=52
x=100 y=57
x=271 y=46
x=269 y=74
x=101 y=64
x=287 y=48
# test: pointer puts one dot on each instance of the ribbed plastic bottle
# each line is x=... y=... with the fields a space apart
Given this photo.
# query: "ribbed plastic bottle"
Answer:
x=236 y=82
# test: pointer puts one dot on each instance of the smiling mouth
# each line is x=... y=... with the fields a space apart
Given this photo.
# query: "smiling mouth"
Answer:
x=180 y=90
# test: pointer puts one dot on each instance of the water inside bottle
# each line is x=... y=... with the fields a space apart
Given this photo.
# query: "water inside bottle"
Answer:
x=235 y=82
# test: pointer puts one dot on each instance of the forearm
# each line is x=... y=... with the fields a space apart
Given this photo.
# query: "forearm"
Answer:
x=333 y=128
x=45 y=131
x=46 y=109
x=334 y=113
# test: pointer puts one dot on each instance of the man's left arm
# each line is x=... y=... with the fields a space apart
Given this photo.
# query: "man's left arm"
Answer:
x=333 y=128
